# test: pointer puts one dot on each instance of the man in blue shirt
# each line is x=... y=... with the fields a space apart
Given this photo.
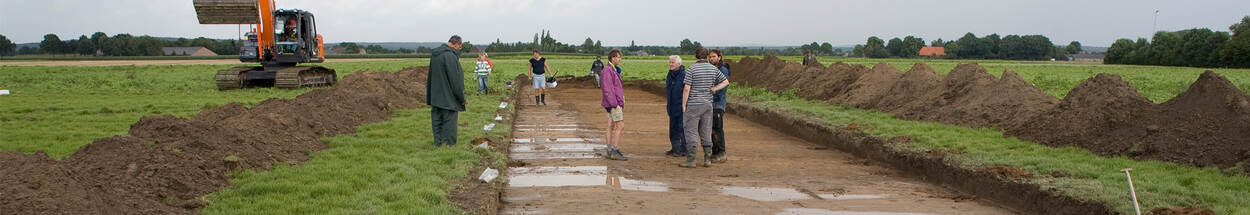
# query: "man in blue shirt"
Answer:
x=673 y=85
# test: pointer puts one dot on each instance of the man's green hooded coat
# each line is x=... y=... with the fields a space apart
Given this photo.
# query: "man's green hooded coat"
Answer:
x=444 y=86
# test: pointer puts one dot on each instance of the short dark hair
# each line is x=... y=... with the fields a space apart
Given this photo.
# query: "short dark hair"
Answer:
x=455 y=39
x=536 y=51
x=717 y=52
x=700 y=53
x=614 y=53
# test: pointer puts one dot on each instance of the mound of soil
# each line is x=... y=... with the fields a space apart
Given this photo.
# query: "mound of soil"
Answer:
x=985 y=102
x=167 y=163
x=1207 y=125
x=871 y=86
x=913 y=86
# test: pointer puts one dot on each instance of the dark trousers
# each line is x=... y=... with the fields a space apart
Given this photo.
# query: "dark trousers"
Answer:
x=676 y=134
x=444 y=125
x=718 y=131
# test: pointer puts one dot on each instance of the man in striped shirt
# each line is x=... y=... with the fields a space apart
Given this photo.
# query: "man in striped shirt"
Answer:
x=702 y=79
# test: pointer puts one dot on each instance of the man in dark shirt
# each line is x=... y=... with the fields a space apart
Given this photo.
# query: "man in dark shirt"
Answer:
x=445 y=91
x=595 y=68
x=538 y=71
x=673 y=86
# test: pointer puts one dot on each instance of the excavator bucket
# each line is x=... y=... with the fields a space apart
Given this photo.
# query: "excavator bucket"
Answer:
x=227 y=11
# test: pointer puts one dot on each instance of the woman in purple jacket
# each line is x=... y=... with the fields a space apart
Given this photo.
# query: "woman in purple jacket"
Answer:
x=614 y=103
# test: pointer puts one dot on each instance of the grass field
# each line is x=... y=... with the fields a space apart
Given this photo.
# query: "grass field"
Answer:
x=390 y=166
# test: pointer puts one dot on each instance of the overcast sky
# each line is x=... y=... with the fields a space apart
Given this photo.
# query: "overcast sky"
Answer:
x=648 y=22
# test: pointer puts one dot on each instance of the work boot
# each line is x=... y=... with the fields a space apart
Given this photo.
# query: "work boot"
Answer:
x=707 y=157
x=718 y=157
x=689 y=161
x=544 y=99
x=621 y=156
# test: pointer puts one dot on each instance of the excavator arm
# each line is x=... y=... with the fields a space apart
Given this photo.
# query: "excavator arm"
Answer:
x=257 y=12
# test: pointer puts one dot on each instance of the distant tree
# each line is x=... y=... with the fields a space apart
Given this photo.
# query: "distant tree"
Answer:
x=7 y=47
x=969 y=47
x=827 y=48
x=1073 y=48
x=911 y=47
x=598 y=47
x=938 y=43
x=466 y=48
x=990 y=47
x=51 y=44
x=895 y=47
x=875 y=48
x=685 y=45
x=1118 y=52
x=98 y=40
x=1200 y=47
x=588 y=46
x=858 y=51
x=27 y=50
x=85 y=46
x=1236 y=52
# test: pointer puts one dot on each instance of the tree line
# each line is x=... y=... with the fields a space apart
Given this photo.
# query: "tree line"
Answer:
x=993 y=46
x=102 y=44
x=1198 y=47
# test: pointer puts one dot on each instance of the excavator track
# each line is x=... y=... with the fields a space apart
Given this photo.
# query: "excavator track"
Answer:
x=305 y=76
x=233 y=78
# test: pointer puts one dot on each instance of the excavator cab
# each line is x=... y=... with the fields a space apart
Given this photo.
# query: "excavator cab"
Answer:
x=292 y=45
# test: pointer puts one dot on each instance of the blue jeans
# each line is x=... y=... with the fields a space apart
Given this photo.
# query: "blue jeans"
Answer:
x=482 y=86
x=676 y=135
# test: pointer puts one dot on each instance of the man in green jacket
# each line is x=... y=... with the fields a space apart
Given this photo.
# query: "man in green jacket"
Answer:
x=444 y=91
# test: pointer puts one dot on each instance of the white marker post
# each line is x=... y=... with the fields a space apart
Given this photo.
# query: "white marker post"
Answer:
x=1130 y=188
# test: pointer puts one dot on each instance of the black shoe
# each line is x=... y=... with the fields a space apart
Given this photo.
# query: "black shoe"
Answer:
x=718 y=157
x=669 y=153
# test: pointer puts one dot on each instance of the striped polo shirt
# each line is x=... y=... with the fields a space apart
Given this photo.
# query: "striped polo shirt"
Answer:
x=701 y=77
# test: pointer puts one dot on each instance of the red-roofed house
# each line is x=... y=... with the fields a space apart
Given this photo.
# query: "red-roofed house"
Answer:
x=933 y=51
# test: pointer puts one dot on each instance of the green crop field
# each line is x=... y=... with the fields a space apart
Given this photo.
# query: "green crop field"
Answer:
x=391 y=167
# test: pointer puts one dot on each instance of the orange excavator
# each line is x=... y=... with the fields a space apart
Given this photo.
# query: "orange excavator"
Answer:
x=281 y=40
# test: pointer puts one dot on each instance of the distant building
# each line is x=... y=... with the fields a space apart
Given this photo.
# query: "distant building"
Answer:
x=933 y=51
x=1087 y=57
x=188 y=51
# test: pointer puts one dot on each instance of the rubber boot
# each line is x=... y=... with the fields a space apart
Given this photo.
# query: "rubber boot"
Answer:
x=689 y=157
x=536 y=101
x=707 y=156
x=544 y=99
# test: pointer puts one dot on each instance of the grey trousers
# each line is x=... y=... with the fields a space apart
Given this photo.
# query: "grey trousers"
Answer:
x=444 y=125
x=698 y=123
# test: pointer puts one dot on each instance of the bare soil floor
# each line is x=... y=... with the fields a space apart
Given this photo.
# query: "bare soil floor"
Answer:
x=155 y=62
x=557 y=168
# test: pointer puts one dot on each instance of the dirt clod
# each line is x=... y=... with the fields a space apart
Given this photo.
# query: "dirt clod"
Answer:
x=1008 y=172
x=1181 y=211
